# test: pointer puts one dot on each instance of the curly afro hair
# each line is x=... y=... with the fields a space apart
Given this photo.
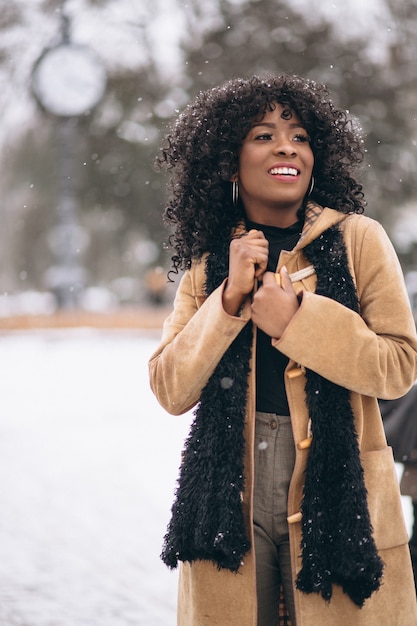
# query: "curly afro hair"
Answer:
x=201 y=153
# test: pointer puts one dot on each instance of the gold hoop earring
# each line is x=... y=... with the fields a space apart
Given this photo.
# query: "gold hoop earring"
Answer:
x=311 y=186
x=235 y=192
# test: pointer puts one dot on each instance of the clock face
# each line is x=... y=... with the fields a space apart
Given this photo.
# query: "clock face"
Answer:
x=69 y=80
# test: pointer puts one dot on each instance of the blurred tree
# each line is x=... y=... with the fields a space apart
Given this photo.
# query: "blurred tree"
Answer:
x=372 y=73
x=116 y=188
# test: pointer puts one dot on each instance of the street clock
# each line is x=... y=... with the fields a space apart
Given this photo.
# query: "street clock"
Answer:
x=68 y=80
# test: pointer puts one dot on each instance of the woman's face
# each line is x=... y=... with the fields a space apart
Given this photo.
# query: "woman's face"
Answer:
x=275 y=168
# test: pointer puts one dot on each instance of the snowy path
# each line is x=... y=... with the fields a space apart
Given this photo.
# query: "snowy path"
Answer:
x=88 y=463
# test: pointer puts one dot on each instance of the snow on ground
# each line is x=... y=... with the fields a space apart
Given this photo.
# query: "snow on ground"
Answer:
x=88 y=464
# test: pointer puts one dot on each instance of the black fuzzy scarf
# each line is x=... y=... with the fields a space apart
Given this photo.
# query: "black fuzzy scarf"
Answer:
x=207 y=516
x=337 y=544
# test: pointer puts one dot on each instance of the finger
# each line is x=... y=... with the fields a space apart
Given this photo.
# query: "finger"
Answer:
x=256 y=234
x=252 y=245
x=286 y=283
x=255 y=231
x=268 y=279
x=259 y=271
x=261 y=262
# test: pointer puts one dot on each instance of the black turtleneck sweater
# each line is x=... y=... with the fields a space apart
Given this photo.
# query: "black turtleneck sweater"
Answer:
x=270 y=362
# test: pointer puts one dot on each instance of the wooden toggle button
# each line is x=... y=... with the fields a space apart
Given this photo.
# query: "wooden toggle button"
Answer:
x=294 y=373
x=294 y=518
x=304 y=443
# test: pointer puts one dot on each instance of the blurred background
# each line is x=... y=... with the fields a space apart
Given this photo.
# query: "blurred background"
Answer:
x=88 y=459
x=88 y=88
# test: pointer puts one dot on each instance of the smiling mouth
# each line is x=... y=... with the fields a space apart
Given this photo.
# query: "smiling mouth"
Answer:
x=284 y=171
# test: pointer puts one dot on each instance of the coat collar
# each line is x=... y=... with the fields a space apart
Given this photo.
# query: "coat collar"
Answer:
x=317 y=220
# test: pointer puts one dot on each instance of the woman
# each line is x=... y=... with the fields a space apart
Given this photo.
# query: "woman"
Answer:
x=291 y=318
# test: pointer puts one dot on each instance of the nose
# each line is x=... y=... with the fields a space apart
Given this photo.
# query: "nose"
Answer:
x=284 y=147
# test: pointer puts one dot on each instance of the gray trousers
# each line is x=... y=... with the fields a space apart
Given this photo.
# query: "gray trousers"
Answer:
x=274 y=463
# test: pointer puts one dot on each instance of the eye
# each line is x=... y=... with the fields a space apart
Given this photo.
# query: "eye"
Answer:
x=302 y=138
x=264 y=136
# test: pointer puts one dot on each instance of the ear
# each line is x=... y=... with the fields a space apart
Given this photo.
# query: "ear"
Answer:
x=235 y=178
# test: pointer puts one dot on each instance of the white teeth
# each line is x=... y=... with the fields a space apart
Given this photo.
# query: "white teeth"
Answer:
x=286 y=171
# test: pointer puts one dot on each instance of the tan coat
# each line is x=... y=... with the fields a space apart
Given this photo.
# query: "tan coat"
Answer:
x=373 y=355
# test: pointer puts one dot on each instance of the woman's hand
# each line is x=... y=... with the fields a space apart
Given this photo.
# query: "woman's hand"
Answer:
x=274 y=306
x=248 y=260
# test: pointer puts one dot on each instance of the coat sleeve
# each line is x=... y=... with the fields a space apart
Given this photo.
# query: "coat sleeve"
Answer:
x=195 y=337
x=374 y=353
